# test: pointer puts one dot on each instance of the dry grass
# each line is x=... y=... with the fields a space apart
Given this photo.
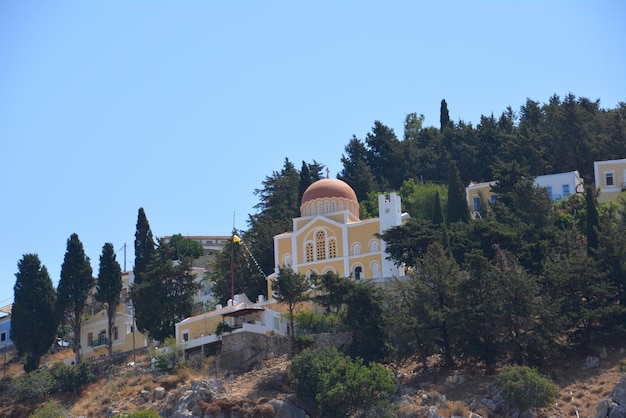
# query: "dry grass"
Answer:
x=580 y=390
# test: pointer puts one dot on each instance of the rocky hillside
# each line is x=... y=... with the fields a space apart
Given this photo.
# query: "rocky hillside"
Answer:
x=265 y=391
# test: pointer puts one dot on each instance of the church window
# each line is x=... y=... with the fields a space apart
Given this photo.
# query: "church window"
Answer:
x=334 y=207
x=287 y=261
x=309 y=251
x=357 y=249
x=332 y=248
x=320 y=243
x=319 y=208
x=374 y=246
x=358 y=273
x=325 y=207
x=340 y=205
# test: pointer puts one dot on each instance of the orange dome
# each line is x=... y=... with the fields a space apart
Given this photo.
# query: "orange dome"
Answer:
x=328 y=188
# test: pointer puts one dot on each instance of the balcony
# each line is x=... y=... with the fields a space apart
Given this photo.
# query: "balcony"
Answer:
x=99 y=342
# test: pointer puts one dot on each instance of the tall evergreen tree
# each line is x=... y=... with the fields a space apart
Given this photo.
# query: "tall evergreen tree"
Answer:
x=33 y=319
x=309 y=174
x=74 y=286
x=458 y=209
x=165 y=297
x=109 y=288
x=444 y=116
x=593 y=221
x=356 y=170
x=144 y=246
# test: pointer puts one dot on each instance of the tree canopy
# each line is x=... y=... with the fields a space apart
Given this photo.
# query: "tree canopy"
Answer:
x=33 y=316
x=74 y=287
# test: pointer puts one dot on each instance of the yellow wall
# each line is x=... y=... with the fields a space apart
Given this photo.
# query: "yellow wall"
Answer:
x=607 y=192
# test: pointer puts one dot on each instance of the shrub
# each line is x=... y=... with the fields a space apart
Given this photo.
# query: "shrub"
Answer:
x=303 y=341
x=34 y=384
x=526 y=388
x=71 y=378
x=309 y=322
x=339 y=385
x=143 y=413
x=50 y=409
x=168 y=356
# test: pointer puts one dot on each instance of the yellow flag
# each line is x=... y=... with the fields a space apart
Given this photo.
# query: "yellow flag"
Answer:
x=236 y=239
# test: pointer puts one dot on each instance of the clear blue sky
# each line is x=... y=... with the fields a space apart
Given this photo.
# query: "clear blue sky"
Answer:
x=183 y=108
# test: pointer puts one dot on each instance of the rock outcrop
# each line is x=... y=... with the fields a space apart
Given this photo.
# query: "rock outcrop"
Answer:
x=206 y=398
x=614 y=406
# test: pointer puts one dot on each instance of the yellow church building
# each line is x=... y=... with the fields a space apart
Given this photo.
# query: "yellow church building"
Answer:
x=330 y=236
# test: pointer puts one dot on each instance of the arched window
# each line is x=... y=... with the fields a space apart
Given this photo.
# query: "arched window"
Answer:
x=287 y=261
x=375 y=271
x=334 y=206
x=340 y=205
x=309 y=252
x=325 y=207
x=320 y=244
x=332 y=248
x=319 y=208
x=357 y=249
x=373 y=246
x=358 y=273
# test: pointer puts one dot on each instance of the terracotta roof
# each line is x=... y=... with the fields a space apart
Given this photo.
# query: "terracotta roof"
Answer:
x=328 y=188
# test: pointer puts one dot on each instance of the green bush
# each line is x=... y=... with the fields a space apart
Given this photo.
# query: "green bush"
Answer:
x=526 y=388
x=143 y=413
x=308 y=322
x=71 y=378
x=168 y=356
x=339 y=385
x=303 y=342
x=35 y=384
x=50 y=409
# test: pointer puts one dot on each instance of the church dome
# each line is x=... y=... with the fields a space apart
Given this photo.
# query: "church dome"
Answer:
x=328 y=188
x=329 y=196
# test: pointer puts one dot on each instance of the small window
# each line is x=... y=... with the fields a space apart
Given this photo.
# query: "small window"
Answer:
x=332 y=248
x=565 y=189
x=476 y=203
x=309 y=252
x=3 y=336
x=90 y=338
x=358 y=273
x=357 y=249
x=494 y=198
x=375 y=271
x=185 y=336
x=608 y=179
x=326 y=207
x=373 y=246
x=549 y=191
x=115 y=333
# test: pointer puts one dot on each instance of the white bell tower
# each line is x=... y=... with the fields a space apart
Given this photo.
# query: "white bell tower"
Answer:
x=389 y=215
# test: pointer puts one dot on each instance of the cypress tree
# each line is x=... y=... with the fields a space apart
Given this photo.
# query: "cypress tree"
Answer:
x=109 y=287
x=458 y=210
x=144 y=247
x=33 y=319
x=74 y=286
x=593 y=221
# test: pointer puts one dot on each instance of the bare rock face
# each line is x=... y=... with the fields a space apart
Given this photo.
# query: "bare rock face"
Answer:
x=614 y=406
x=206 y=398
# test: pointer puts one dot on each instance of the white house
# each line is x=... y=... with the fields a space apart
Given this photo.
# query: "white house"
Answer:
x=561 y=185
